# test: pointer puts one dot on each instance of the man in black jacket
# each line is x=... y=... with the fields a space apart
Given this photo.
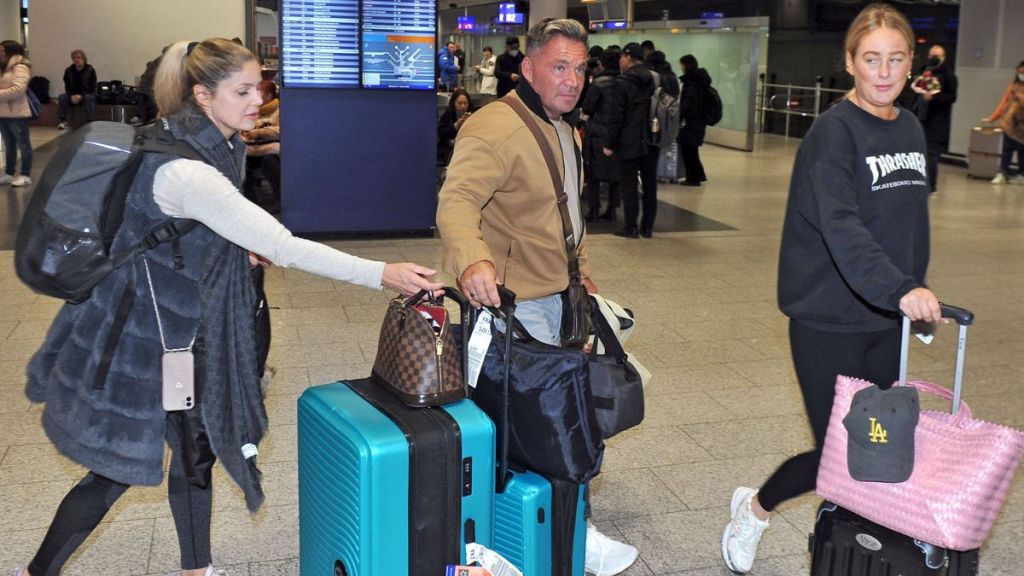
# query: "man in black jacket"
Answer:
x=691 y=132
x=602 y=106
x=79 y=88
x=935 y=109
x=508 y=66
x=636 y=86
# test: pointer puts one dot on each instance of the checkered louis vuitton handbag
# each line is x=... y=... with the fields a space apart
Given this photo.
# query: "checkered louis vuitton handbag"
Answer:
x=418 y=359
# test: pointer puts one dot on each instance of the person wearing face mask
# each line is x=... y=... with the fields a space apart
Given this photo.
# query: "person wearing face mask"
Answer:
x=193 y=296
x=508 y=66
x=1011 y=113
x=934 y=107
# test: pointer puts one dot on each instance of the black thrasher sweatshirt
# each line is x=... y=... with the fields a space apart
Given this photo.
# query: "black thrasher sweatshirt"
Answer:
x=856 y=234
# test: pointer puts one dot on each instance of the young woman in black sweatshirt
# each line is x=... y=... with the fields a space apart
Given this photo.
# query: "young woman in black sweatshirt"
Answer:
x=854 y=253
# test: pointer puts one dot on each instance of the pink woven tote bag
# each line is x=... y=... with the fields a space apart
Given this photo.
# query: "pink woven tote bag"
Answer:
x=962 y=470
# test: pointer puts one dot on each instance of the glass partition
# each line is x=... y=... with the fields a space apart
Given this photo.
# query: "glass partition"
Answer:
x=731 y=58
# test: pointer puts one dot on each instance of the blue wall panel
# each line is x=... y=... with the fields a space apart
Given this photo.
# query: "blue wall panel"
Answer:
x=358 y=160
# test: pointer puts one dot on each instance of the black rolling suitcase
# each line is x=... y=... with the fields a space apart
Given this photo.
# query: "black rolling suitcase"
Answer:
x=844 y=544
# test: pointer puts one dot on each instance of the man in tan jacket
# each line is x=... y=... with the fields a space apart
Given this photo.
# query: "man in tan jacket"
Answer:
x=498 y=214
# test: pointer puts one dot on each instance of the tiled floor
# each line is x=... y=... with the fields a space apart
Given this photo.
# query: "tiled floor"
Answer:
x=723 y=407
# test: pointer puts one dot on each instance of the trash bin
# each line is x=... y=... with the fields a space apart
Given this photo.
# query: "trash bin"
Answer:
x=985 y=151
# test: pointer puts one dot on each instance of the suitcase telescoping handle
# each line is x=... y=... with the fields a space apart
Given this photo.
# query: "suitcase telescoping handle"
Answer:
x=964 y=318
x=508 y=313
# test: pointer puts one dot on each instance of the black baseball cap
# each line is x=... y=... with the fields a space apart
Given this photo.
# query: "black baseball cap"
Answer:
x=880 y=434
x=633 y=50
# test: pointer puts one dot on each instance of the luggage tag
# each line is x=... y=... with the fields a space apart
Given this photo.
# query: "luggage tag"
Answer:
x=178 y=380
x=479 y=341
x=495 y=563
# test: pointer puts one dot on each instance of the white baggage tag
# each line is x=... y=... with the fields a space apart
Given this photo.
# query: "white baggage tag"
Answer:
x=495 y=563
x=479 y=341
x=926 y=338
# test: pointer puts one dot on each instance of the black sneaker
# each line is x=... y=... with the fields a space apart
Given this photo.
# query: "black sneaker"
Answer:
x=628 y=232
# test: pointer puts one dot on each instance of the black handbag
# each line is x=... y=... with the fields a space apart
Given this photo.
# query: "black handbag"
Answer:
x=552 y=428
x=615 y=385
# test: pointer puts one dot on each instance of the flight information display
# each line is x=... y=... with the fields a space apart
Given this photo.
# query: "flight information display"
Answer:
x=320 y=43
x=398 y=44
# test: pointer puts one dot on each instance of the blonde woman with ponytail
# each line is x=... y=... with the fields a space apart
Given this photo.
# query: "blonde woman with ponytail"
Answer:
x=188 y=301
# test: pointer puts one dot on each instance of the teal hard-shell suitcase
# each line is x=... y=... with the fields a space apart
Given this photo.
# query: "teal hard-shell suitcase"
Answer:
x=389 y=490
x=535 y=520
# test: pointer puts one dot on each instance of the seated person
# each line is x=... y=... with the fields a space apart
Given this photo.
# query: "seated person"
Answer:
x=448 y=125
x=263 y=149
x=79 y=88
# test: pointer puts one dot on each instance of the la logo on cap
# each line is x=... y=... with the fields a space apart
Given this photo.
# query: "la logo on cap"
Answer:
x=878 y=434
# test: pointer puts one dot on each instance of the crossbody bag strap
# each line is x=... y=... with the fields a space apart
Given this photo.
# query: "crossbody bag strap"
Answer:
x=556 y=181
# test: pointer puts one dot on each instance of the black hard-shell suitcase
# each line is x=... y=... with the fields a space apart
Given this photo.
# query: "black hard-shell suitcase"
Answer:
x=844 y=544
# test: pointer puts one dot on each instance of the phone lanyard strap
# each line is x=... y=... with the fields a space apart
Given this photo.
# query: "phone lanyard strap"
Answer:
x=156 y=310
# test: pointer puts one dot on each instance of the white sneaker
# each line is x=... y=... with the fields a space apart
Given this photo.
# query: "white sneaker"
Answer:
x=999 y=179
x=6 y=179
x=1018 y=180
x=607 y=557
x=63 y=125
x=742 y=533
x=21 y=181
x=210 y=571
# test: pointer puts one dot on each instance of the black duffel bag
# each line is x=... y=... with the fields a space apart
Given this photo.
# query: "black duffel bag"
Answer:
x=552 y=426
x=615 y=384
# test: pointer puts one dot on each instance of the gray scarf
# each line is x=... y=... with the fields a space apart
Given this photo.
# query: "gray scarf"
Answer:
x=232 y=404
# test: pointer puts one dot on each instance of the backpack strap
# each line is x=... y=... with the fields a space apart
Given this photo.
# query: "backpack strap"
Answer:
x=158 y=138
x=155 y=138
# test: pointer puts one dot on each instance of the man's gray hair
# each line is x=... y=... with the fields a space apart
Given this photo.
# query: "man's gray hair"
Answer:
x=544 y=31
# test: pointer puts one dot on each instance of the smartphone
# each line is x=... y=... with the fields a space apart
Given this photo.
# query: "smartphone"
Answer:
x=178 y=381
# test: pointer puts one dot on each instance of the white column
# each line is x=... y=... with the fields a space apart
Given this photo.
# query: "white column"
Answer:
x=10 y=20
x=541 y=9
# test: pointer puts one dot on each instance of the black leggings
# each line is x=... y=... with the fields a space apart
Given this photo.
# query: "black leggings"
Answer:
x=819 y=357
x=89 y=501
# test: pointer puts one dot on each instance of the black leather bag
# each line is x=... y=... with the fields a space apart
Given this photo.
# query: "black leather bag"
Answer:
x=576 y=312
x=615 y=385
x=552 y=427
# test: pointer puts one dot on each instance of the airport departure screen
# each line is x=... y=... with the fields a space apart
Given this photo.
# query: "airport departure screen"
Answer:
x=398 y=44
x=320 y=43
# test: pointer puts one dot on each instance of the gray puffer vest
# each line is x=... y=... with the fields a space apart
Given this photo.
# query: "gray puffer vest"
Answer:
x=115 y=426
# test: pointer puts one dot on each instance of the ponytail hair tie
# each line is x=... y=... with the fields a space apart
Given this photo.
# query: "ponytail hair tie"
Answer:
x=191 y=45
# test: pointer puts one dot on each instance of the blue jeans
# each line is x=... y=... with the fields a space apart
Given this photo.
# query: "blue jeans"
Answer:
x=14 y=132
x=89 y=100
x=1009 y=147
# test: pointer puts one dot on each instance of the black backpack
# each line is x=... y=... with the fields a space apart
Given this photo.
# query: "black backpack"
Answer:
x=64 y=240
x=40 y=86
x=711 y=106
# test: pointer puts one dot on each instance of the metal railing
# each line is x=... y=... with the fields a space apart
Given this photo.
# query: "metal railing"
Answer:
x=792 y=100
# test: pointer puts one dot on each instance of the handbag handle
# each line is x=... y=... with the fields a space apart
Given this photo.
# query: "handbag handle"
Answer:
x=941 y=392
x=603 y=332
x=467 y=319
